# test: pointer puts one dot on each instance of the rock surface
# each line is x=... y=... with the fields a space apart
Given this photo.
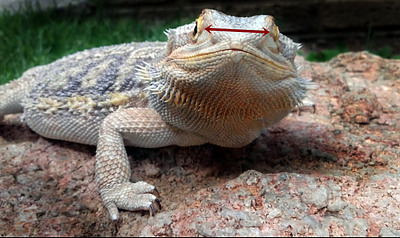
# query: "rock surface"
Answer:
x=335 y=172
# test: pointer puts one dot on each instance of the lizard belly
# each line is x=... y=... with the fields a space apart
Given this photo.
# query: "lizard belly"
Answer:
x=239 y=133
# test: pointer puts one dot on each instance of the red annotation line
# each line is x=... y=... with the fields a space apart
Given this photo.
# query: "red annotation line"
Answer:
x=209 y=29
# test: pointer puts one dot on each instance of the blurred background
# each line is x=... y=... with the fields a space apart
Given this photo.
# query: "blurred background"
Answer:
x=35 y=32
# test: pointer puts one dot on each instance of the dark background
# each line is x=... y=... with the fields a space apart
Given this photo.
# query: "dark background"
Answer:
x=318 y=24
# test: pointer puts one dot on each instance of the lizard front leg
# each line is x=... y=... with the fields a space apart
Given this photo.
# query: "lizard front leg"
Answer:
x=142 y=127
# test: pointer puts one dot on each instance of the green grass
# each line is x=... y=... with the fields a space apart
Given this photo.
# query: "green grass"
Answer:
x=37 y=38
x=326 y=54
x=385 y=52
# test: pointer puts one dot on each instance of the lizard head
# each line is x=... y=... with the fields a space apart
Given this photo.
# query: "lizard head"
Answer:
x=227 y=76
x=194 y=42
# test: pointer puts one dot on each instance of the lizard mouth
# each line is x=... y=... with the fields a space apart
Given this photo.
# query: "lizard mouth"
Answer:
x=233 y=53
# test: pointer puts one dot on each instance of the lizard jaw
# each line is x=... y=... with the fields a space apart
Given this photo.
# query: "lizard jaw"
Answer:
x=237 y=56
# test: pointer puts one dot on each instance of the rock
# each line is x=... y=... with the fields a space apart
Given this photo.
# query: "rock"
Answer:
x=317 y=197
x=389 y=232
x=360 y=107
x=336 y=205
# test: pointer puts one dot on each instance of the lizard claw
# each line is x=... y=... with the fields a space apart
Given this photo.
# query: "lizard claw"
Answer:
x=155 y=203
x=156 y=193
x=306 y=103
x=158 y=203
x=151 y=210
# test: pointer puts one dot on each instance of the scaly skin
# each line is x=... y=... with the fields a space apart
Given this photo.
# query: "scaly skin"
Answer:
x=222 y=88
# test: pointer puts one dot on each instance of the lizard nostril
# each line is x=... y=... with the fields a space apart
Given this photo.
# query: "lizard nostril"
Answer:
x=236 y=56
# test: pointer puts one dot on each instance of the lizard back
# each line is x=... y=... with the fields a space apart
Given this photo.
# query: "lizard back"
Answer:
x=93 y=82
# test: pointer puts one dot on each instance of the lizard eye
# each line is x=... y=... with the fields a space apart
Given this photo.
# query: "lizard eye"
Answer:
x=198 y=28
x=195 y=30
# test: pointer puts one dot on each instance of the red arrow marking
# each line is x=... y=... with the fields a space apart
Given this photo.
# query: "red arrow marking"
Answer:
x=209 y=29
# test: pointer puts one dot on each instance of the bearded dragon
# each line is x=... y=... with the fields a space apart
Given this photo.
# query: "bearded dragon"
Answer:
x=222 y=88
